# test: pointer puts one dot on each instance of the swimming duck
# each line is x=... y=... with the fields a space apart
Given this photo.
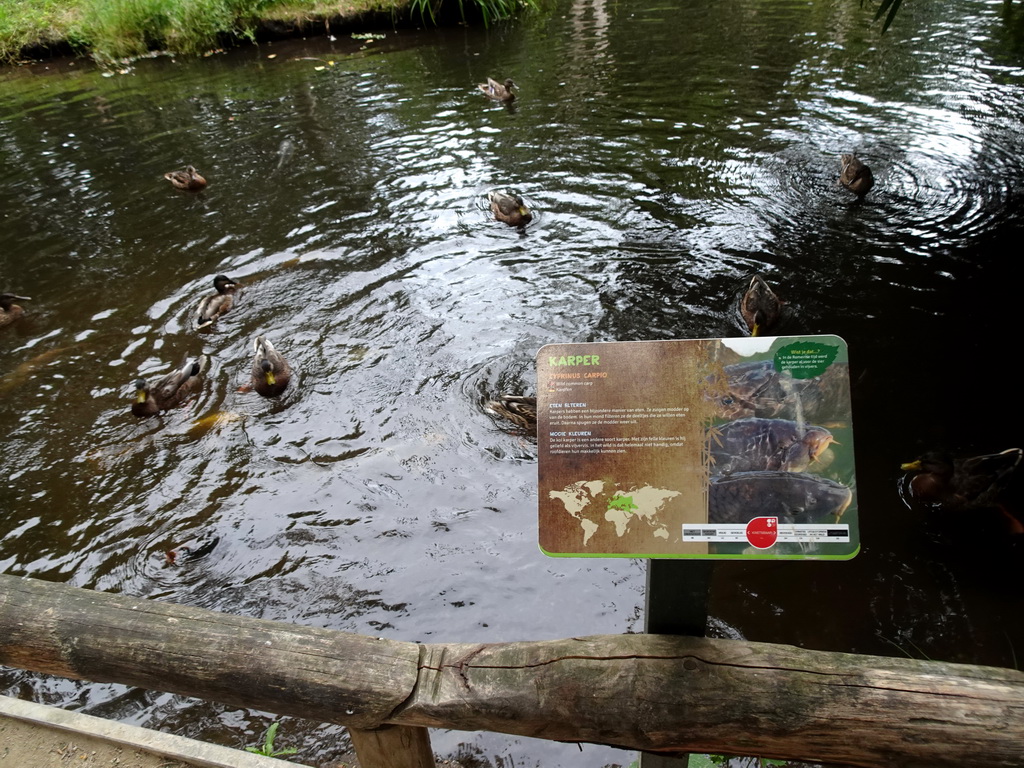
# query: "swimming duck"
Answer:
x=186 y=179
x=966 y=483
x=760 y=307
x=170 y=391
x=9 y=311
x=854 y=175
x=509 y=208
x=519 y=409
x=217 y=304
x=270 y=371
x=494 y=90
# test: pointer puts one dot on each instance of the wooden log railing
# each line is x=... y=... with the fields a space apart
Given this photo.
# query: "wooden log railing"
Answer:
x=646 y=692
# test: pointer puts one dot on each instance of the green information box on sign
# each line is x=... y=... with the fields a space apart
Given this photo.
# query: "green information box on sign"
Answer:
x=709 y=448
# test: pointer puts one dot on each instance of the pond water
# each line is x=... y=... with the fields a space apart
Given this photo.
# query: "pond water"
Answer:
x=669 y=151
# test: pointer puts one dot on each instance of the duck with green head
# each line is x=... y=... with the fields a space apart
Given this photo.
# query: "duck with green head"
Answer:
x=9 y=311
x=216 y=304
x=270 y=371
x=170 y=391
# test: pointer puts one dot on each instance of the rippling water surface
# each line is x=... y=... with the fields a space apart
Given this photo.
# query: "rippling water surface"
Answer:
x=669 y=152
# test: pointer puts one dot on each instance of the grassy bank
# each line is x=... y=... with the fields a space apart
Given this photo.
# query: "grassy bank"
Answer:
x=112 y=29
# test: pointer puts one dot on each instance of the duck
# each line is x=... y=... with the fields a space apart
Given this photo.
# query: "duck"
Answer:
x=170 y=391
x=957 y=484
x=509 y=208
x=9 y=311
x=760 y=307
x=521 y=410
x=854 y=175
x=494 y=90
x=217 y=304
x=186 y=179
x=270 y=371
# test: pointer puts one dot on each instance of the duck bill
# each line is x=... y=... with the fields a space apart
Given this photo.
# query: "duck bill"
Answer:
x=141 y=396
x=271 y=380
x=911 y=466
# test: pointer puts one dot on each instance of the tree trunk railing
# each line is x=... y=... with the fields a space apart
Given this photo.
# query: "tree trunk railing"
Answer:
x=654 y=693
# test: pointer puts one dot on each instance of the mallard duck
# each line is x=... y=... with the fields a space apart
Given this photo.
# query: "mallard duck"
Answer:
x=270 y=371
x=186 y=179
x=509 y=208
x=494 y=90
x=170 y=391
x=973 y=482
x=519 y=409
x=217 y=304
x=854 y=175
x=760 y=307
x=9 y=311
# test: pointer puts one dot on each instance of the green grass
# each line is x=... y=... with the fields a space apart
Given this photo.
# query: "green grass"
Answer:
x=115 y=29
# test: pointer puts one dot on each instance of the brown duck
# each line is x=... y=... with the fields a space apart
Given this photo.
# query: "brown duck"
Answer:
x=270 y=371
x=760 y=307
x=510 y=209
x=518 y=409
x=492 y=89
x=854 y=175
x=186 y=179
x=217 y=304
x=9 y=311
x=170 y=391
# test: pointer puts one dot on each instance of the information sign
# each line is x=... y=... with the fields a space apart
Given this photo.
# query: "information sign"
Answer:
x=710 y=448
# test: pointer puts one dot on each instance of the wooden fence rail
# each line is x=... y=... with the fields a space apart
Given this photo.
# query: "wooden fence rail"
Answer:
x=647 y=692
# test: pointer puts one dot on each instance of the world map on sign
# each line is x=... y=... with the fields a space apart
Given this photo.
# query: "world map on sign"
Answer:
x=600 y=504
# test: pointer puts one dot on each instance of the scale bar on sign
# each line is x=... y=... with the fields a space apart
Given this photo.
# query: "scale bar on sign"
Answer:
x=733 y=533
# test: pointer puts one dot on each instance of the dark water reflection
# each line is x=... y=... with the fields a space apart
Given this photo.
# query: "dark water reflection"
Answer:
x=668 y=151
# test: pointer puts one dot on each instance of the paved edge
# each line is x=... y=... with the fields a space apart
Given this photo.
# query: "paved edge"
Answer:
x=167 y=745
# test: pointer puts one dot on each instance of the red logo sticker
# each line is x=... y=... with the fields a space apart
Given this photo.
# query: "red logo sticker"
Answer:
x=762 y=532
